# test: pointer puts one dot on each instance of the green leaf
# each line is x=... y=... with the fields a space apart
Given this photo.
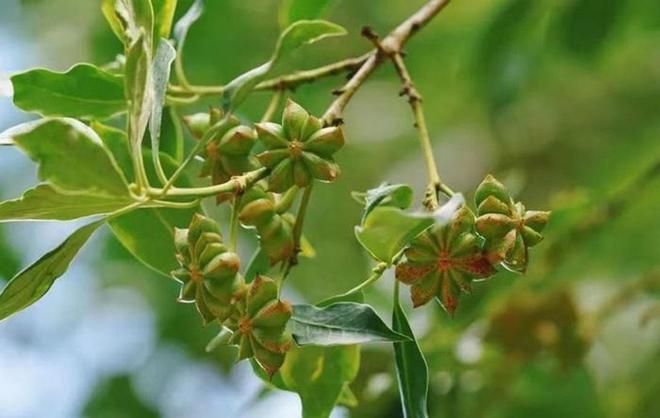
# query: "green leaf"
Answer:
x=70 y=155
x=31 y=284
x=108 y=9
x=293 y=10
x=163 y=17
x=148 y=233
x=397 y=195
x=159 y=17
x=84 y=91
x=139 y=88
x=185 y=22
x=318 y=375
x=411 y=370
x=137 y=17
x=44 y=202
x=160 y=70
x=341 y=323
x=298 y=34
x=388 y=230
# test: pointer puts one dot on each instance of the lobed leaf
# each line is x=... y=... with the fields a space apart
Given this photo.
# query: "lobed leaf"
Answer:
x=147 y=233
x=341 y=323
x=70 y=155
x=44 y=202
x=83 y=91
x=411 y=369
x=31 y=284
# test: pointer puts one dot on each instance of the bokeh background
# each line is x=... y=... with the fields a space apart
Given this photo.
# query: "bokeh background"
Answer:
x=560 y=99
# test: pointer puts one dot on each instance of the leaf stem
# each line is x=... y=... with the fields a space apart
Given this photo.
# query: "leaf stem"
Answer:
x=395 y=295
x=377 y=273
x=236 y=184
x=273 y=106
x=180 y=72
x=174 y=205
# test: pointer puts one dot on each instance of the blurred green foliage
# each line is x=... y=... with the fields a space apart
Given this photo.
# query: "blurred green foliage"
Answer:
x=560 y=99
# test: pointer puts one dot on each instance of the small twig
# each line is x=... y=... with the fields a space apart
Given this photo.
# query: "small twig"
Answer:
x=415 y=99
x=390 y=45
x=285 y=82
x=376 y=274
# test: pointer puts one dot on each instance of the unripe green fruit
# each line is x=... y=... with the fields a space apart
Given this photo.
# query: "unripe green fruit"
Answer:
x=299 y=150
x=275 y=230
x=209 y=272
x=227 y=153
x=509 y=229
x=257 y=213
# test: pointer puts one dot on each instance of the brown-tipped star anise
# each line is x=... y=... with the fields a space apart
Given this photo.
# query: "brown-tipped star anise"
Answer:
x=443 y=261
x=209 y=271
x=509 y=229
x=259 y=325
x=299 y=150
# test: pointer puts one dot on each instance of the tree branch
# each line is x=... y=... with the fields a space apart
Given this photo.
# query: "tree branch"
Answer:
x=390 y=45
x=285 y=82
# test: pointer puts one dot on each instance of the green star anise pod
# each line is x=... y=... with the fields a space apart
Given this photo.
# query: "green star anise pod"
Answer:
x=209 y=271
x=509 y=229
x=299 y=150
x=275 y=230
x=227 y=154
x=259 y=325
x=443 y=261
